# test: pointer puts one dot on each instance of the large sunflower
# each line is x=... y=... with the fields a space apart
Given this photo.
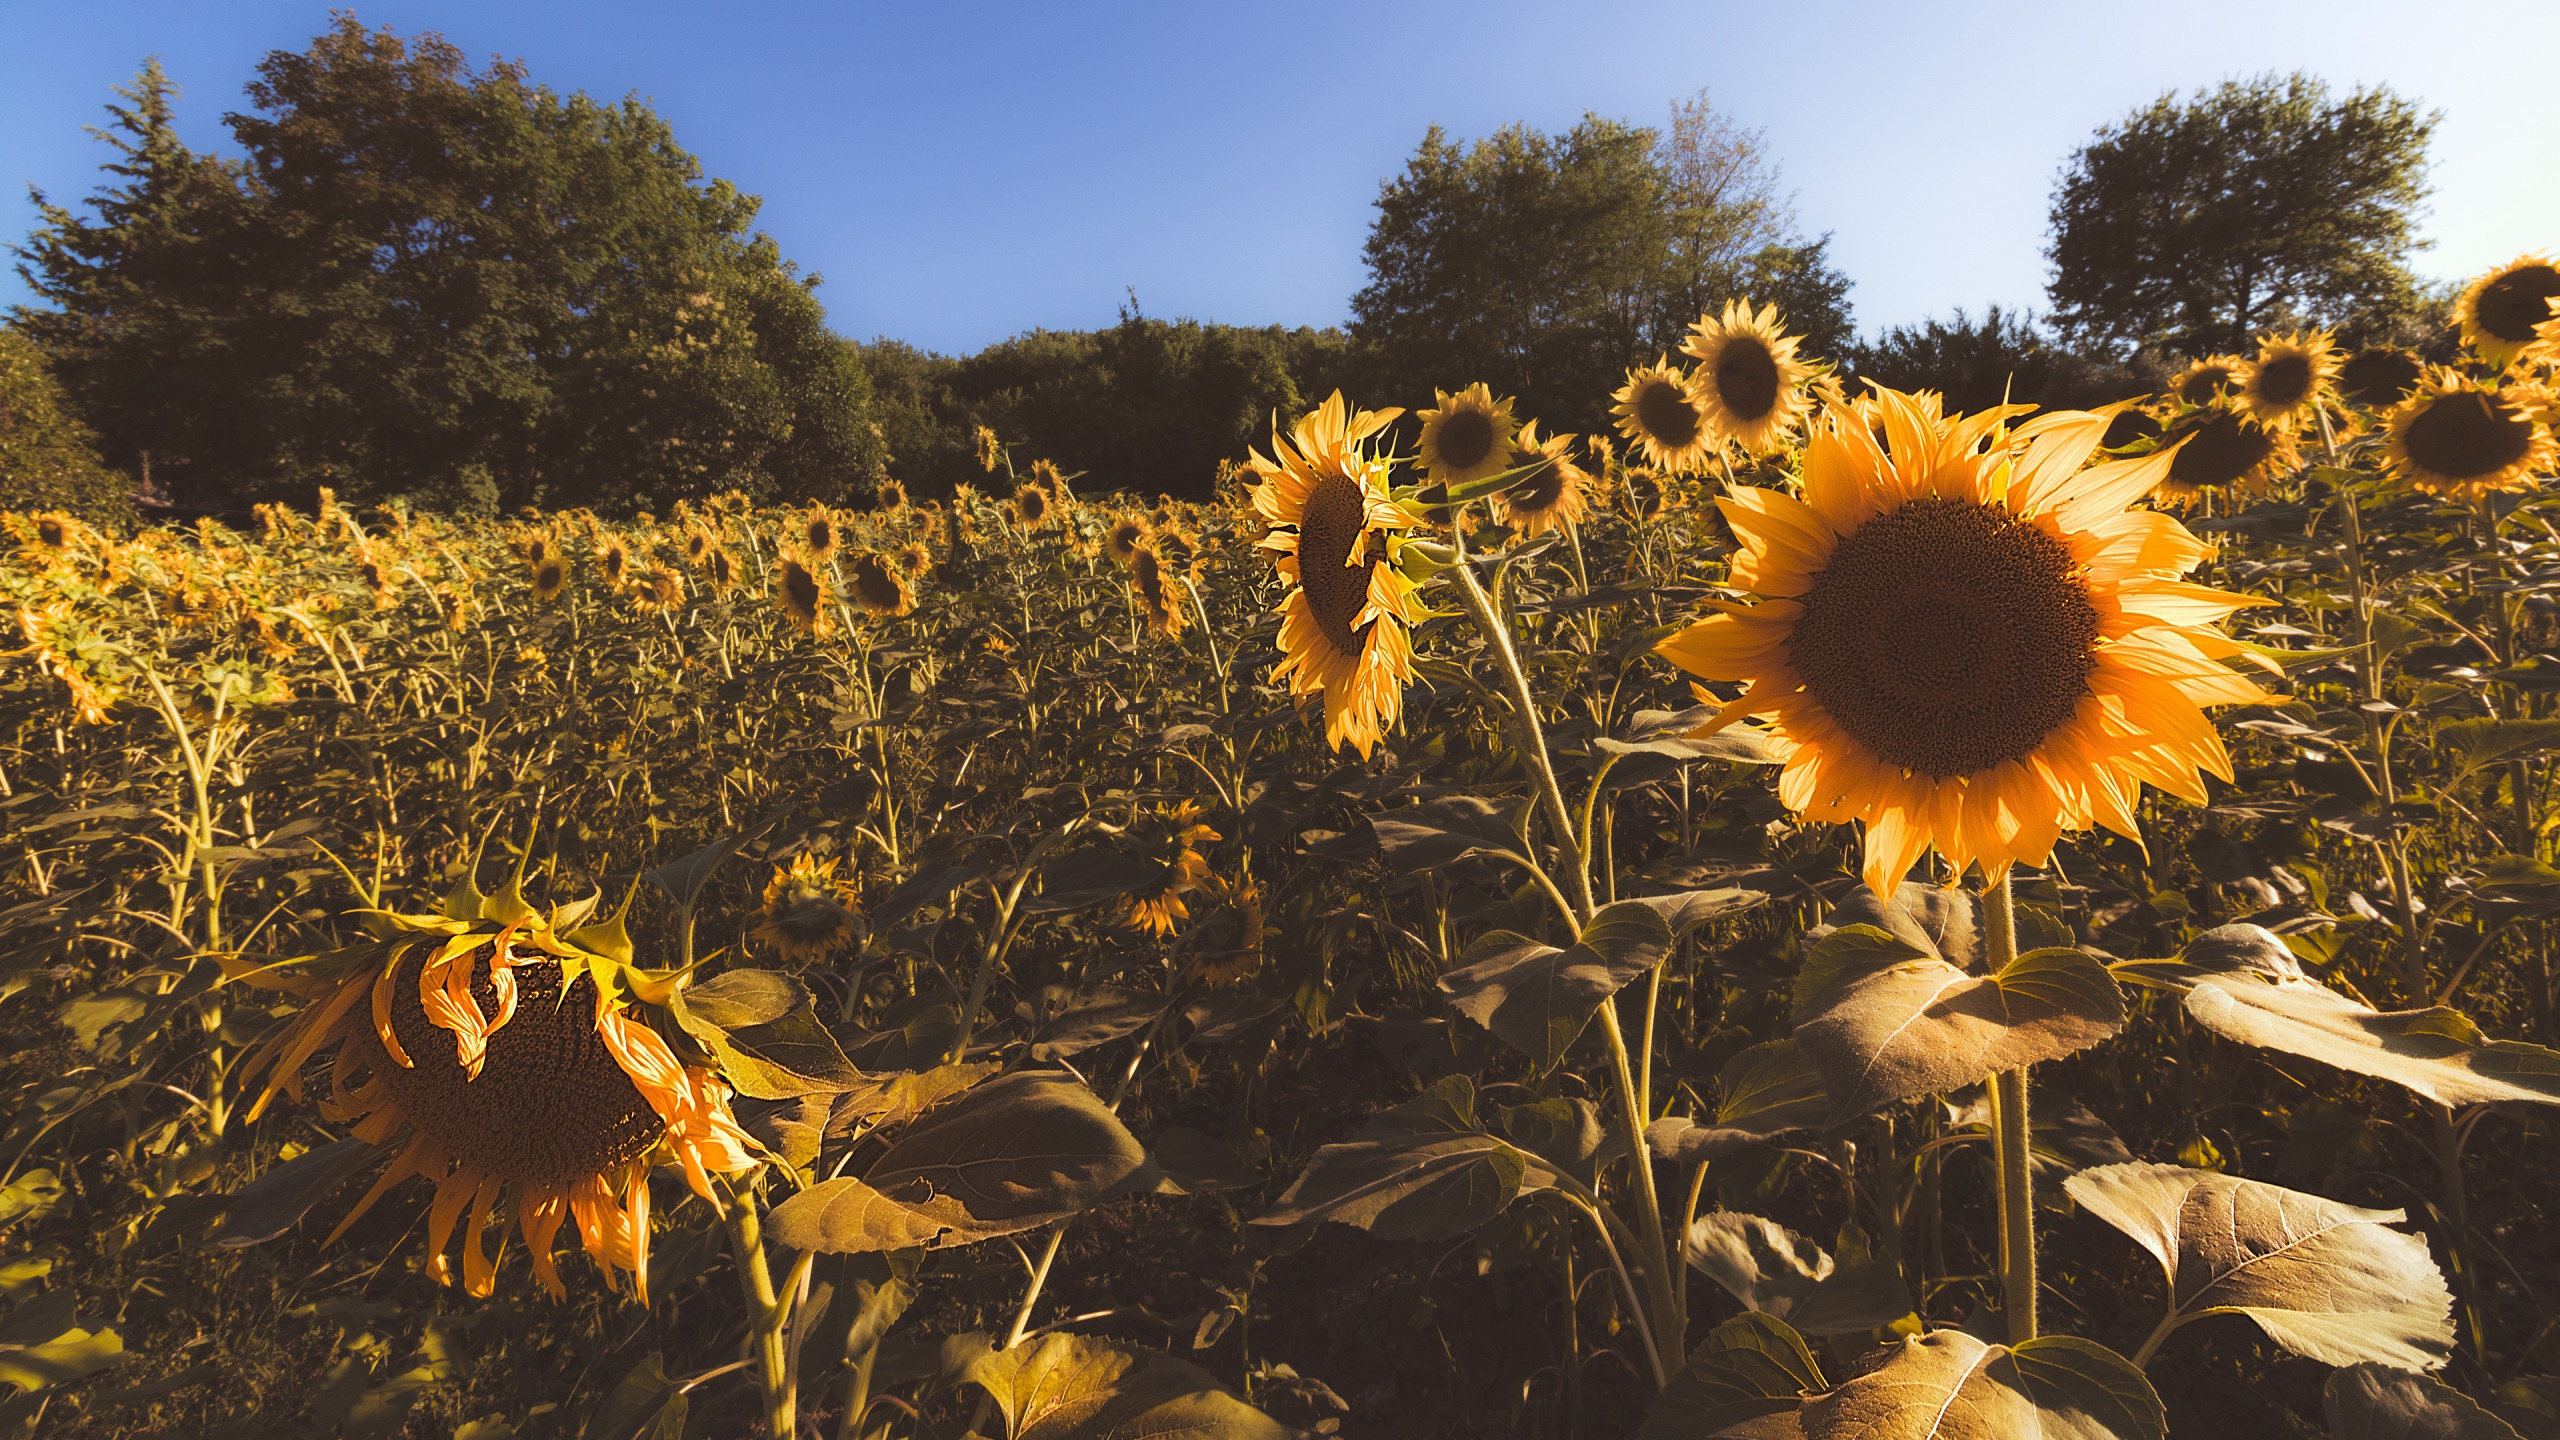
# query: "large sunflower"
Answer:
x=2290 y=376
x=1659 y=409
x=2222 y=448
x=2200 y=382
x=1550 y=499
x=2461 y=440
x=1970 y=649
x=2500 y=310
x=2380 y=376
x=1126 y=534
x=1467 y=438
x=511 y=1057
x=879 y=588
x=1749 y=383
x=1334 y=536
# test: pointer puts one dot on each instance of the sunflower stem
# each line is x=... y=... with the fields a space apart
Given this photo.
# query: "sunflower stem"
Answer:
x=755 y=1283
x=2009 y=1135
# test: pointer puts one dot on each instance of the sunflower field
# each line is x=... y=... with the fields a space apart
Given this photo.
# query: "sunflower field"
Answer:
x=1811 y=916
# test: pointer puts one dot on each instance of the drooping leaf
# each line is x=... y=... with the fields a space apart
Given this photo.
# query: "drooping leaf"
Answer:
x=2377 y=1402
x=1775 y=1271
x=1566 y=1133
x=1424 y=1170
x=1539 y=997
x=1939 y=920
x=269 y=1205
x=1752 y=1367
x=1072 y=1387
x=736 y=999
x=1886 y=1023
x=2323 y=1279
x=783 y=1059
x=1946 y=1385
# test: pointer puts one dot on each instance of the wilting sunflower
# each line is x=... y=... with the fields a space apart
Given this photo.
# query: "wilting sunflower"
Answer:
x=1124 y=537
x=801 y=592
x=2291 y=374
x=2463 y=441
x=1969 y=650
x=818 y=534
x=2222 y=449
x=613 y=561
x=1550 y=499
x=1155 y=592
x=990 y=454
x=2199 y=383
x=550 y=576
x=1031 y=504
x=521 y=1062
x=890 y=497
x=878 y=587
x=1335 y=537
x=2500 y=310
x=1467 y=438
x=723 y=570
x=1156 y=907
x=1749 y=383
x=808 y=914
x=913 y=559
x=1659 y=409
x=2380 y=376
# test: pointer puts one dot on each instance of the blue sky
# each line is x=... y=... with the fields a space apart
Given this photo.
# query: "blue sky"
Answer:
x=965 y=171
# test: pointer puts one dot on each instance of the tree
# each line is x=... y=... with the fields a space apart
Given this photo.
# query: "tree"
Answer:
x=2262 y=202
x=2002 y=358
x=439 y=282
x=48 y=459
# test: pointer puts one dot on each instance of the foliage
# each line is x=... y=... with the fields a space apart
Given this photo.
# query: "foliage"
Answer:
x=432 y=281
x=48 y=459
x=2002 y=358
x=2257 y=204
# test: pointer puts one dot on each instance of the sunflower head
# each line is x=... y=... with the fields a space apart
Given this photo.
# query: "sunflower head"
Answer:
x=913 y=559
x=613 y=562
x=1124 y=537
x=2131 y=425
x=2292 y=374
x=891 y=496
x=808 y=914
x=1748 y=383
x=1154 y=589
x=662 y=589
x=1467 y=438
x=2202 y=381
x=2380 y=376
x=699 y=546
x=1550 y=498
x=1031 y=505
x=1645 y=496
x=818 y=534
x=1660 y=410
x=879 y=588
x=1157 y=906
x=2500 y=312
x=2464 y=441
x=550 y=577
x=990 y=453
x=2221 y=447
x=723 y=570
x=801 y=592
x=1044 y=473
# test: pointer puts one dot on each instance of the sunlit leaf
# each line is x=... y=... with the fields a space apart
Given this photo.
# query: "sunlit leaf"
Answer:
x=1946 y=1385
x=2377 y=1402
x=1071 y=1387
x=1539 y=997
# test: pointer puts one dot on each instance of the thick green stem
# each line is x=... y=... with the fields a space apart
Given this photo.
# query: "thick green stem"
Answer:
x=755 y=1283
x=2009 y=1137
x=1531 y=739
x=2457 y=1219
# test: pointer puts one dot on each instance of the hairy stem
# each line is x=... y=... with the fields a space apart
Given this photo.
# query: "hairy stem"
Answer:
x=2009 y=1136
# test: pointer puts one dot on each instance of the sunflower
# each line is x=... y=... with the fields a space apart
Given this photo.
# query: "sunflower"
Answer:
x=808 y=914
x=1155 y=592
x=2380 y=376
x=534 y=548
x=1045 y=474
x=1749 y=383
x=1659 y=409
x=2223 y=449
x=878 y=587
x=2291 y=375
x=722 y=570
x=1550 y=499
x=2463 y=441
x=613 y=561
x=550 y=576
x=990 y=454
x=819 y=534
x=1124 y=537
x=1156 y=907
x=521 y=1062
x=802 y=593
x=891 y=496
x=2130 y=426
x=1334 y=535
x=1970 y=649
x=2500 y=311
x=1645 y=498
x=698 y=547
x=2200 y=382
x=186 y=606
x=1467 y=438
x=1031 y=504
x=661 y=589
x=913 y=559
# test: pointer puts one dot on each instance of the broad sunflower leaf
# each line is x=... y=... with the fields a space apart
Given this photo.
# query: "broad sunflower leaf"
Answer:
x=1539 y=997
x=2473 y=744
x=1886 y=1023
x=1774 y=1271
x=1424 y=1170
x=1766 y=1091
x=1752 y=1367
x=2377 y=1402
x=1686 y=910
x=1085 y=878
x=792 y=1056
x=1067 y=1021
x=2323 y=1279
x=1939 y=920
x=1073 y=1387
x=269 y=1205
x=646 y=1404
x=736 y=999
x=1443 y=832
x=1946 y=1385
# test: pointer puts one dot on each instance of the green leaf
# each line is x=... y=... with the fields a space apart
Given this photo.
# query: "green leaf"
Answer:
x=2323 y=1279
x=2376 y=1402
x=793 y=1056
x=1939 y=920
x=32 y=1194
x=1538 y=997
x=1072 y=1387
x=645 y=1405
x=1424 y=1170
x=1946 y=1385
x=269 y=1205
x=736 y=999
x=1750 y=1367
x=2474 y=744
x=1769 y=1090
x=1775 y=1271
x=1885 y=1023
x=1443 y=832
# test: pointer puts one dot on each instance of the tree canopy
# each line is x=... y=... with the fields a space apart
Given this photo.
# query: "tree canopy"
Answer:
x=438 y=282
x=48 y=459
x=2258 y=203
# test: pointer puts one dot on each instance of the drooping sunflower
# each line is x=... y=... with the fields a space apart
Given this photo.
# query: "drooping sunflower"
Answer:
x=819 y=534
x=803 y=594
x=2499 y=311
x=2462 y=441
x=1748 y=382
x=1031 y=503
x=808 y=914
x=517 y=1059
x=2291 y=375
x=723 y=570
x=878 y=587
x=891 y=496
x=2380 y=376
x=1968 y=648
x=2222 y=449
x=1124 y=537
x=1156 y=907
x=1659 y=409
x=550 y=577
x=1467 y=438
x=2200 y=382
x=1550 y=499
x=1154 y=589
x=1335 y=536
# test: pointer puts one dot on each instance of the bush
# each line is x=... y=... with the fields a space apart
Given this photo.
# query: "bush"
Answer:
x=48 y=459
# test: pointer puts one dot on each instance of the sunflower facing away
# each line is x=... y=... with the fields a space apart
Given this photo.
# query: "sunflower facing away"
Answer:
x=878 y=587
x=2463 y=441
x=1154 y=587
x=2220 y=448
x=803 y=594
x=1749 y=382
x=808 y=914
x=2200 y=382
x=723 y=570
x=2291 y=374
x=2380 y=377
x=1467 y=438
x=1658 y=408
x=1966 y=650
x=1550 y=499
x=1156 y=908
x=2501 y=309
x=509 y=1057
x=1334 y=536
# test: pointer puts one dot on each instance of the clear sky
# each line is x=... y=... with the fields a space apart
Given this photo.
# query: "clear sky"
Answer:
x=961 y=172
